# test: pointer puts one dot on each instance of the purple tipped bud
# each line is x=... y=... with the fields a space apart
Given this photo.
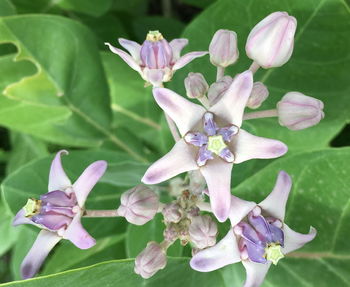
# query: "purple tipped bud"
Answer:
x=258 y=95
x=218 y=89
x=271 y=42
x=156 y=52
x=223 y=48
x=297 y=111
x=172 y=212
x=196 y=86
x=138 y=205
x=150 y=260
x=203 y=231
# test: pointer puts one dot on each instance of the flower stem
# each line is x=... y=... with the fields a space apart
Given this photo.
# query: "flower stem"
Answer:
x=220 y=72
x=254 y=67
x=101 y=213
x=261 y=114
x=173 y=128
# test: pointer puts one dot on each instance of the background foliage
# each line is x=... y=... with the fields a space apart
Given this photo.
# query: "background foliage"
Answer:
x=60 y=87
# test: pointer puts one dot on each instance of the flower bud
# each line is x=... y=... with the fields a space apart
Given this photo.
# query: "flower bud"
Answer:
x=203 y=231
x=138 y=205
x=223 y=48
x=218 y=89
x=172 y=212
x=297 y=111
x=196 y=86
x=271 y=42
x=150 y=260
x=258 y=95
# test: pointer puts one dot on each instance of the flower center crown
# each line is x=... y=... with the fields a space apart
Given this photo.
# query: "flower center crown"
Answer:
x=32 y=207
x=154 y=36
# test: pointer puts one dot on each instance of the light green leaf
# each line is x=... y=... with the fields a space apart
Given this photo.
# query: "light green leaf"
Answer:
x=88 y=7
x=7 y=8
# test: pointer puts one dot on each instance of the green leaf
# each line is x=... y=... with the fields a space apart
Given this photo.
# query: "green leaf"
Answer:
x=88 y=7
x=8 y=233
x=7 y=8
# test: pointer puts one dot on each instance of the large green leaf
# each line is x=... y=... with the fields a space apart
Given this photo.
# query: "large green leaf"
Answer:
x=7 y=8
x=86 y=6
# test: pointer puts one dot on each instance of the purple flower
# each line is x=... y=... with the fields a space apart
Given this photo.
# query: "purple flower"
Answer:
x=155 y=60
x=261 y=239
x=58 y=213
x=212 y=141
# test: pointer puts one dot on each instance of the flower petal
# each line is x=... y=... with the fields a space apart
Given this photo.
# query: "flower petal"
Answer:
x=217 y=174
x=43 y=244
x=185 y=59
x=294 y=240
x=21 y=219
x=231 y=106
x=223 y=253
x=58 y=198
x=239 y=209
x=176 y=46
x=204 y=155
x=78 y=235
x=126 y=57
x=154 y=76
x=183 y=112
x=52 y=221
x=275 y=203
x=180 y=159
x=58 y=180
x=87 y=180
x=247 y=146
x=132 y=47
x=196 y=139
x=256 y=273
x=209 y=125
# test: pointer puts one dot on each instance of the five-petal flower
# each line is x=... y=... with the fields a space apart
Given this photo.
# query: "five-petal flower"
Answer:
x=263 y=240
x=214 y=151
x=58 y=213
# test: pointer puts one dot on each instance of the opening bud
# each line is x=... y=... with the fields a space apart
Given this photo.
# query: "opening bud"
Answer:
x=203 y=231
x=258 y=96
x=150 y=260
x=223 y=48
x=172 y=212
x=138 y=205
x=218 y=89
x=196 y=86
x=271 y=42
x=297 y=111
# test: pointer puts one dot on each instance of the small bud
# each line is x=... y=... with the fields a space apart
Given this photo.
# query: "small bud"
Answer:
x=138 y=205
x=150 y=260
x=218 y=89
x=196 y=86
x=223 y=48
x=271 y=42
x=258 y=96
x=170 y=233
x=203 y=231
x=172 y=212
x=297 y=111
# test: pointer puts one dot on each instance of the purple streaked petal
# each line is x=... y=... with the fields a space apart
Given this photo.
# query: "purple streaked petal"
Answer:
x=126 y=57
x=180 y=159
x=58 y=180
x=223 y=253
x=196 y=139
x=294 y=240
x=154 y=76
x=183 y=112
x=255 y=252
x=176 y=46
x=277 y=234
x=248 y=233
x=132 y=47
x=247 y=146
x=185 y=59
x=209 y=124
x=21 y=219
x=275 y=203
x=56 y=210
x=260 y=224
x=52 y=221
x=59 y=198
x=227 y=155
x=203 y=156
x=217 y=174
x=228 y=132
x=256 y=273
x=43 y=244
x=231 y=106
x=87 y=180
x=239 y=209
x=78 y=235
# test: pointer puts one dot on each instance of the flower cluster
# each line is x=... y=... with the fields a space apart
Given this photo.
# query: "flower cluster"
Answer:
x=209 y=141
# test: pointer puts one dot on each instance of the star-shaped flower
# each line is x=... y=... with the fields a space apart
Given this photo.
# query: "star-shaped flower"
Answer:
x=58 y=213
x=261 y=239
x=214 y=148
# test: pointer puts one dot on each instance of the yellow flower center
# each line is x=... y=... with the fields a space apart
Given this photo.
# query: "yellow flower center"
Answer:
x=154 y=36
x=32 y=207
x=273 y=253
x=216 y=144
